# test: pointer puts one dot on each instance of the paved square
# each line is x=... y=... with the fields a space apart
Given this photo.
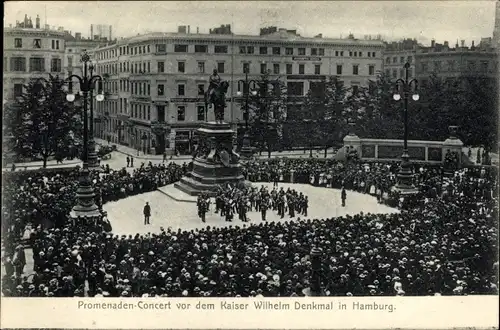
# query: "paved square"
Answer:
x=126 y=214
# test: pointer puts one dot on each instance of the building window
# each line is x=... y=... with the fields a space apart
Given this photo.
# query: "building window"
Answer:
x=302 y=51
x=160 y=48
x=350 y=53
x=243 y=50
x=276 y=68
x=360 y=54
x=149 y=89
x=394 y=73
x=355 y=89
x=276 y=51
x=409 y=59
x=18 y=90
x=371 y=69
x=18 y=43
x=181 y=90
x=201 y=67
x=289 y=67
x=250 y=50
x=220 y=67
x=181 y=113
x=317 y=69
x=181 y=48
x=18 y=64
x=201 y=89
x=314 y=51
x=263 y=50
x=55 y=65
x=321 y=52
x=355 y=69
x=37 y=64
x=387 y=72
x=161 y=66
x=401 y=73
x=181 y=66
x=339 y=69
x=220 y=49
x=288 y=51
x=53 y=44
x=201 y=113
x=336 y=53
x=263 y=68
x=484 y=66
x=301 y=68
x=149 y=112
x=37 y=43
x=161 y=90
x=246 y=67
x=200 y=48
x=402 y=59
x=149 y=66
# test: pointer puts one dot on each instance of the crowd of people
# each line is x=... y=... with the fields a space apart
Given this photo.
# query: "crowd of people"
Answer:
x=446 y=244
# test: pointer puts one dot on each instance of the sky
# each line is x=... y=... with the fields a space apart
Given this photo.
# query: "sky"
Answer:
x=394 y=20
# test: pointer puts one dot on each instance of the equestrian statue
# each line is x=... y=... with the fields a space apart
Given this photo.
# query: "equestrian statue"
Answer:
x=216 y=96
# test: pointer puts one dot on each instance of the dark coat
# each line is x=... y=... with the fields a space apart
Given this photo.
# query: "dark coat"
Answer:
x=147 y=210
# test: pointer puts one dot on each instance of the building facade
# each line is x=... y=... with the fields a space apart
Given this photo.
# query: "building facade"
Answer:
x=396 y=54
x=30 y=53
x=155 y=82
x=460 y=61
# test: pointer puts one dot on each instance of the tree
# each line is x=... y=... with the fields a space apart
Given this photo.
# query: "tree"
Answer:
x=44 y=124
x=267 y=112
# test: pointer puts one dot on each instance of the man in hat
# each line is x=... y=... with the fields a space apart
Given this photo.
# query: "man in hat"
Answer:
x=147 y=213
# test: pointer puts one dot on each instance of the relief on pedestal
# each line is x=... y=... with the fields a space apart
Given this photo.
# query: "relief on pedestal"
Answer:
x=217 y=152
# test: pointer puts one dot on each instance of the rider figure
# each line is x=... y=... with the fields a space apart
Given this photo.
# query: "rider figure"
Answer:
x=215 y=81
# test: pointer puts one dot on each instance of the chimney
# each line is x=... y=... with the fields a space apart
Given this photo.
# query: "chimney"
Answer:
x=197 y=30
x=472 y=46
x=433 y=43
x=78 y=36
x=446 y=44
x=37 y=21
x=189 y=29
x=462 y=43
x=25 y=20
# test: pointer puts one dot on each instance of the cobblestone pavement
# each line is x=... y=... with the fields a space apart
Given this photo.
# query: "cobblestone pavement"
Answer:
x=126 y=215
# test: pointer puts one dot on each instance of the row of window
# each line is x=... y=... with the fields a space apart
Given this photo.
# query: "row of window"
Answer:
x=223 y=49
x=37 y=43
x=402 y=60
x=451 y=65
x=145 y=67
x=36 y=64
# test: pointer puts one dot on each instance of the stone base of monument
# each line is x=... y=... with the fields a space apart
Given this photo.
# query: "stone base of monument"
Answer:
x=215 y=164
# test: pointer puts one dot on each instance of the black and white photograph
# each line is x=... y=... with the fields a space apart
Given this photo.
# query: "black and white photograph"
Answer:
x=250 y=149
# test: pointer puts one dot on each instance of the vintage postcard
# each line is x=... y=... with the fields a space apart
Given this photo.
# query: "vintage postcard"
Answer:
x=250 y=164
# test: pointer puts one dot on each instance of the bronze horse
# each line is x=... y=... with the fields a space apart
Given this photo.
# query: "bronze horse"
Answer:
x=218 y=100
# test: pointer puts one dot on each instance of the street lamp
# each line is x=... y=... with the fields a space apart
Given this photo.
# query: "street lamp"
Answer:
x=86 y=205
x=248 y=87
x=405 y=175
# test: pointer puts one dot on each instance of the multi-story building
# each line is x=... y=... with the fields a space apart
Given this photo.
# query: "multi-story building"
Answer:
x=30 y=52
x=460 y=61
x=396 y=54
x=155 y=82
x=440 y=59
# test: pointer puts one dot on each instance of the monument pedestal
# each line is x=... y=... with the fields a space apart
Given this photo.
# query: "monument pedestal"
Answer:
x=215 y=162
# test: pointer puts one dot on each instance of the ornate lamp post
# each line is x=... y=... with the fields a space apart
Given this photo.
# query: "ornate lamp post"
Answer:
x=92 y=157
x=405 y=175
x=248 y=86
x=316 y=274
x=86 y=205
